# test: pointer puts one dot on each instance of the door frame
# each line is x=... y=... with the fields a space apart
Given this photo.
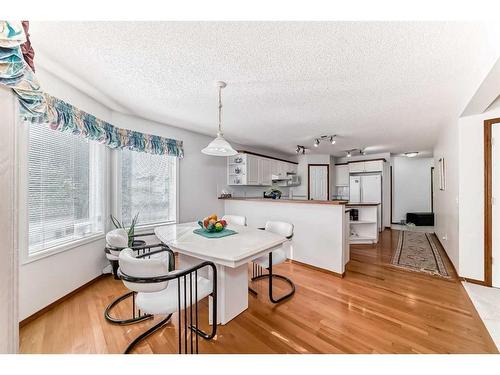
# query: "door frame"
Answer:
x=309 y=179
x=432 y=189
x=488 y=192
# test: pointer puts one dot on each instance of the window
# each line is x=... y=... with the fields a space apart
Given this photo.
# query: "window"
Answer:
x=148 y=187
x=65 y=187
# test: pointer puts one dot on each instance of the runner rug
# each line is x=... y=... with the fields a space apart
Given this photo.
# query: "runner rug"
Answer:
x=417 y=251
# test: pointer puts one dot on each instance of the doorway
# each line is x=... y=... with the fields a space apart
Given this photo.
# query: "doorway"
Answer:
x=491 y=206
x=318 y=182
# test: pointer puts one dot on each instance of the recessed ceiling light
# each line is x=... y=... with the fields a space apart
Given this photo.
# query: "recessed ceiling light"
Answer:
x=411 y=154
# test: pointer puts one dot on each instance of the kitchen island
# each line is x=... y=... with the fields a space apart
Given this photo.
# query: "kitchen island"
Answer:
x=321 y=228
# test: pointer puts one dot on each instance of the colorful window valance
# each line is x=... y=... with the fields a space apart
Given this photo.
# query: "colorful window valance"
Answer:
x=39 y=107
x=16 y=73
x=65 y=117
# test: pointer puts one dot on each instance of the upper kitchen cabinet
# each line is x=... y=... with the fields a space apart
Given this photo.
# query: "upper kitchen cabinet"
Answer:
x=249 y=169
x=264 y=171
x=366 y=166
x=342 y=175
x=253 y=173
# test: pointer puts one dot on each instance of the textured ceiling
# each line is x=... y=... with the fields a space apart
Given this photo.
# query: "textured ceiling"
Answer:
x=385 y=86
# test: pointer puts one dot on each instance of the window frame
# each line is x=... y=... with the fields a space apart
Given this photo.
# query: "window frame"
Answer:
x=22 y=183
x=116 y=189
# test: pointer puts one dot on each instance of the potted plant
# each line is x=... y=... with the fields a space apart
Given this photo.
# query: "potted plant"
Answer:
x=130 y=231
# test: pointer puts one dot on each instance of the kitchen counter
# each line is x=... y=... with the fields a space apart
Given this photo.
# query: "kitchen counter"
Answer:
x=286 y=200
x=354 y=204
x=321 y=228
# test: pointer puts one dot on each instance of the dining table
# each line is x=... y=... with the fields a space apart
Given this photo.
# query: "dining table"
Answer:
x=230 y=254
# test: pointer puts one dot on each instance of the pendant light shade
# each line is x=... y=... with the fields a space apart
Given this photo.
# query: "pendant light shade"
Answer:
x=219 y=146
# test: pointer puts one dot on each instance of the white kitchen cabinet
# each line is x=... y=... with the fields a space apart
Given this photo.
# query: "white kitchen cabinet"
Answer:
x=265 y=172
x=357 y=167
x=374 y=166
x=252 y=170
x=366 y=166
x=248 y=169
x=275 y=167
x=342 y=175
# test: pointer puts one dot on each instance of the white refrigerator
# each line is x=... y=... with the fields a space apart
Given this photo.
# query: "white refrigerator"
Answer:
x=367 y=188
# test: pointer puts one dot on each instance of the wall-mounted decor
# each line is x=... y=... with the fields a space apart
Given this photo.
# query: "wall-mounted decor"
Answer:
x=442 y=175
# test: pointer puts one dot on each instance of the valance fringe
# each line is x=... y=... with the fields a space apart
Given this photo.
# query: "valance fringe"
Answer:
x=65 y=117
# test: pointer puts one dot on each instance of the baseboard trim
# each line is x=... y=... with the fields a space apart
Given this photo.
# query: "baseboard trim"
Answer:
x=336 y=274
x=473 y=281
x=446 y=253
x=461 y=278
x=30 y=318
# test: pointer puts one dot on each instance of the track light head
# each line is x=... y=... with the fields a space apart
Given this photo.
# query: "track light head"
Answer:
x=316 y=142
x=332 y=139
x=349 y=154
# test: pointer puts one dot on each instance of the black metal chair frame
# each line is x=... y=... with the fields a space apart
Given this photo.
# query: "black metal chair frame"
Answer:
x=258 y=274
x=185 y=274
x=141 y=248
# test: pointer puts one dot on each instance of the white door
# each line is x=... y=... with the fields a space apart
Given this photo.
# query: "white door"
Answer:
x=495 y=212
x=318 y=182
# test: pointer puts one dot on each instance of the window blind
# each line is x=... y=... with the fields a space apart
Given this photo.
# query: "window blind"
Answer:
x=65 y=185
x=148 y=187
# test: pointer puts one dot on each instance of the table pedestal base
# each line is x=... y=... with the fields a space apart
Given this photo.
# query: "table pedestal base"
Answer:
x=232 y=288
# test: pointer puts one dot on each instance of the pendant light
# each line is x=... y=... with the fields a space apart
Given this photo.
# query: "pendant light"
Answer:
x=219 y=146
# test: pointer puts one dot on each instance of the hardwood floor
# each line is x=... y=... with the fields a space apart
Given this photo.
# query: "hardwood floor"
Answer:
x=375 y=308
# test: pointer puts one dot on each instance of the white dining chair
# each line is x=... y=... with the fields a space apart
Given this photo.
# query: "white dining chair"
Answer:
x=116 y=241
x=235 y=219
x=275 y=257
x=163 y=292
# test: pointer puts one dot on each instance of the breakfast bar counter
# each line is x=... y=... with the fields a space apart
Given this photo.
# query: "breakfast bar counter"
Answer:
x=321 y=228
x=284 y=200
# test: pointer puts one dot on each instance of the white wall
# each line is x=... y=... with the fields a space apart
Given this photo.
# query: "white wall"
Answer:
x=412 y=186
x=446 y=202
x=8 y=251
x=471 y=192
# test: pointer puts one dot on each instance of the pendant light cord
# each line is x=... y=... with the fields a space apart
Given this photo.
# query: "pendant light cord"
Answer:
x=220 y=110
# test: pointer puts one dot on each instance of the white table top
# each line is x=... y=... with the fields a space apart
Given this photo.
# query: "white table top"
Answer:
x=233 y=251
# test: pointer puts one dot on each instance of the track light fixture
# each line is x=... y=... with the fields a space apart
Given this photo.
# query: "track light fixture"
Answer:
x=330 y=138
x=355 y=151
x=300 y=150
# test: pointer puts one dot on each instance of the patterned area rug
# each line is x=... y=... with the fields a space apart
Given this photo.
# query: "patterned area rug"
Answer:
x=417 y=251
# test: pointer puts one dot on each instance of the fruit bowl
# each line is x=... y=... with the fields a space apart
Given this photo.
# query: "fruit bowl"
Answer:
x=212 y=224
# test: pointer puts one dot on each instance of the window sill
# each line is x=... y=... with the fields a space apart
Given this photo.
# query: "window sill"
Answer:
x=149 y=227
x=63 y=247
